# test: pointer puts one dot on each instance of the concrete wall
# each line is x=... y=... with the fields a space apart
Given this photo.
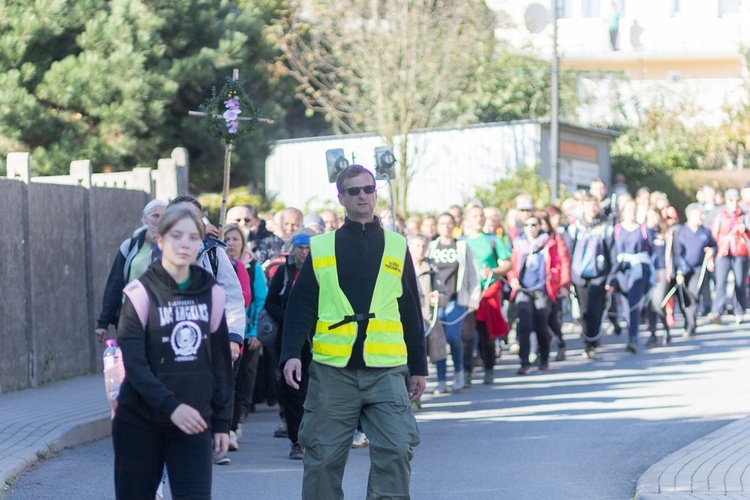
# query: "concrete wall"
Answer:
x=57 y=249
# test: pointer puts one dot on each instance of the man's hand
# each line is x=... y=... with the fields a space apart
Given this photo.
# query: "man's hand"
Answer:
x=515 y=284
x=418 y=384
x=212 y=230
x=235 y=347
x=188 y=420
x=253 y=343
x=680 y=279
x=485 y=273
x=221 y=445
x=101 y=334
x=293 y=372
x=609 y=289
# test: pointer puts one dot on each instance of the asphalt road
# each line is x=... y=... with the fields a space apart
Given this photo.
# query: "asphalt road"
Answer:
x=584 y=430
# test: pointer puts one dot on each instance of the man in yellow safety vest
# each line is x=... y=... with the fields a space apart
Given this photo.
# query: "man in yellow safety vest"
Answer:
x=357 y=293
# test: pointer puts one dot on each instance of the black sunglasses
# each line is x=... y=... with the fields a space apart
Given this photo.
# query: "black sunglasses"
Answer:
x=354 y=191
x=246 y=220
x=531 y=225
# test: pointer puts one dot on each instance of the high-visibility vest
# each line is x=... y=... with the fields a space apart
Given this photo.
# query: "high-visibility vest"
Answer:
x=336 y=329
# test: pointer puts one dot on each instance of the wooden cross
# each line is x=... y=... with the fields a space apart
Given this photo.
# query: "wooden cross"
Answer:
x=227 y=156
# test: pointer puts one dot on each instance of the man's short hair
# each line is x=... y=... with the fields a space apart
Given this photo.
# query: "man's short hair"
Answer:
x=589 y=198
x=350 y=172
x=253 y=211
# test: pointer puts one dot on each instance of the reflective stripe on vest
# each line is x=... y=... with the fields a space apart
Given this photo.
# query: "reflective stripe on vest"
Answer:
x=384 y=342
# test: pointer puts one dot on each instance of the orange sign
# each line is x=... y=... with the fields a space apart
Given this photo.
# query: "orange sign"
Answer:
x=579 y=150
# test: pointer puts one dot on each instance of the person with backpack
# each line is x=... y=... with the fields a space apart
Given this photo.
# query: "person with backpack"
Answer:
x=731 y=235
x=550 y=220
x=590 y=242
x=632 y=273
x=492 y=258
x=660 y=234
x=535 y=282
x=236 y=245
x=131 y=261
x=692 y=253
x=176 y=397
x=279 y=289
x=456 y=279
x=213 y=258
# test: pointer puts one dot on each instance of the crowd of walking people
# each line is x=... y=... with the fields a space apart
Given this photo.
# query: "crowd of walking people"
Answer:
x=487 y=283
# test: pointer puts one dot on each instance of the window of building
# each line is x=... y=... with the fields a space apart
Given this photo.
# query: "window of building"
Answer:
x=591 y=8
x=564 y=8
x=729 y=7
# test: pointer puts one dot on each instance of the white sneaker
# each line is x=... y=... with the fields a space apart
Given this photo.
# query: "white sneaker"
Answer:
x=239 y=432
x=458 y=380
x=360 y=440
x=233 y=446
x=442 y=388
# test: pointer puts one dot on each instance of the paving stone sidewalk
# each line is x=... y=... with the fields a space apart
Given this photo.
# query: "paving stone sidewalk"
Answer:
x=716 y=466
x=37 y=422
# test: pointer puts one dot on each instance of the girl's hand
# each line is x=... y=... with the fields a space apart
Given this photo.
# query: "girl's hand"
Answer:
x=188 y=420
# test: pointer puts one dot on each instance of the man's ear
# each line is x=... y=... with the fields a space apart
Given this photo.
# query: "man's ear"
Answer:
x=341 y=200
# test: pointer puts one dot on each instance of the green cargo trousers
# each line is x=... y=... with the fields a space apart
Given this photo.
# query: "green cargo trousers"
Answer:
x=336 y=398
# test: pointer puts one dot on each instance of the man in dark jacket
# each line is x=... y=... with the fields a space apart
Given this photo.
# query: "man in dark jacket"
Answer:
x=358 y=291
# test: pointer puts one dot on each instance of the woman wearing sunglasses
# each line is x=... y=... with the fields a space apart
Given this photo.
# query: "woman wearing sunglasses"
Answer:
x=535 y=281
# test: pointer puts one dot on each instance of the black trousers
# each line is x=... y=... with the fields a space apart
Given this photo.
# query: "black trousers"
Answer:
x=689 y=300
x=533 y=315
x=246 y=369
x=591 y=297
x=142 y=449
x=655 y=311
x=555 y=322
x=293 y=399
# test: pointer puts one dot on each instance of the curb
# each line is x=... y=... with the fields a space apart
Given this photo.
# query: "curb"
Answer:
x=74 y=434
x=718 y=457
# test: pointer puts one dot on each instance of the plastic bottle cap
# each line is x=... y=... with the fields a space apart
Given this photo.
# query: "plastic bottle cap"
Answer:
x=110 y=342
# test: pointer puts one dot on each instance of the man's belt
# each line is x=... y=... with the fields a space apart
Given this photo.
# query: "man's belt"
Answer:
x=351 y=319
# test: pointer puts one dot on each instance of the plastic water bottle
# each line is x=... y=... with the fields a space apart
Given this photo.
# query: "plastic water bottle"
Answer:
x=112 y=360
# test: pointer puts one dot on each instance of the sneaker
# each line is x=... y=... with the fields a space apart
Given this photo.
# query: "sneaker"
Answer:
x=467 y=379
x=544 y=368
x=233 y=446
x=652 y=342
x=738 y=319
x=631 y=348
x=590 y=352
x=668 y=338
x=243 y=416
x=524 y=370
x=442 y=388
x=560 y=354
x=297 y=453
x=360 y=440
x=238 y=432
x=225 y=460
x=714 y=318
x=489 y=377
x=458 y=381
x=280 y=431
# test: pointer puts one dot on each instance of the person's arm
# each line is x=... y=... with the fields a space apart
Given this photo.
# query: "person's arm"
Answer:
x=471 y=277
x=235 y=310
x=504 y=253
x=221 y=367
x=112 y=297
x=564 y=257
x=301 y=313
x=244 y=280
x=411 y=319
x=274 y=299
x=260 y=293
x=131 y=338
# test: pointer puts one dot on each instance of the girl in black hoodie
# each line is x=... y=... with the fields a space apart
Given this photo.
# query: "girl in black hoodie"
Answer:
x=177 y=392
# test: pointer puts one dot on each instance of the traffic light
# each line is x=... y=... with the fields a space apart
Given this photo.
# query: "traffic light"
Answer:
x=336 y=162
x=385 y=161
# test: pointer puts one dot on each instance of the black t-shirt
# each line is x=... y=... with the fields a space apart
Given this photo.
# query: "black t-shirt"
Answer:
x=445 y=258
